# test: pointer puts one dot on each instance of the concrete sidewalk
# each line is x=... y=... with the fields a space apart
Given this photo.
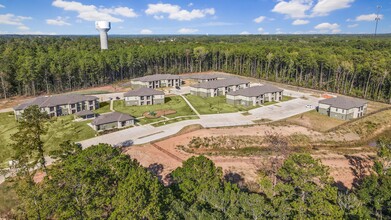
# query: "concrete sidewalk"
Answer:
x=190 y=105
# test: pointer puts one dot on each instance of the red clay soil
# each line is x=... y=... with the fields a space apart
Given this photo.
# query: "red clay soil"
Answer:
x=159 y=113
x=166 y=152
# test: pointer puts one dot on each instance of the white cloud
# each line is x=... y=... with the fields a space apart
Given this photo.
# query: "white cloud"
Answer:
x=218 y=23
x=2 y=6
x=23 y=28
x=262 y=31
x=146 y=31
x=190 y=4
x=122 y=11
x=327 y=26
x=259 y=19
x=352 y=25
x=187 y=31
x=336 y=31
x=368 y=17
x=324 y=7
x=245 y=33
x=300 y=22
x=59 y=21
x=293 y=8
x=93 y=13
x=175 y=12
x=11 y=19
x=36 y=33
x=309 y=8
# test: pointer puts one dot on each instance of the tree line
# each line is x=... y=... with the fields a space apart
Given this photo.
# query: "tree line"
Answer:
x=102 y=183
x=351 y=65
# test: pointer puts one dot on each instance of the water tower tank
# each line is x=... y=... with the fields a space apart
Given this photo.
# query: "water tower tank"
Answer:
x=103 y=27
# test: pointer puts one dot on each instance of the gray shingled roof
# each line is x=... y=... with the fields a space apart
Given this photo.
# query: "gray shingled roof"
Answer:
x=51 y=101
x=143 y=92
x=156 y=77
x=112 y=117
x=255 y=91
x=221 y=83
x=84 y=113
x=343 y=102
x=204 y=76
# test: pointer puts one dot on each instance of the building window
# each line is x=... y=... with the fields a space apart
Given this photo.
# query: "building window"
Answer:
x=141 y=97
x=51 y=109
x=73 y=105
x=91 y=102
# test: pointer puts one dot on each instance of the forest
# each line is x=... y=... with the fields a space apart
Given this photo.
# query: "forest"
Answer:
x=356 y=66
x=101 y=182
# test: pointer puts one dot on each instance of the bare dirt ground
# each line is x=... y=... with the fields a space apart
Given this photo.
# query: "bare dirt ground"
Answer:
x=167 y=153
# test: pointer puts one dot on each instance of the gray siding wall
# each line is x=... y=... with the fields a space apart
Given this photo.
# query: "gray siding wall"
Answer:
x=202 y=94
x=131 y=103
x=137 y=86
x=107 y=126
x=158 y=101
x=323 y=111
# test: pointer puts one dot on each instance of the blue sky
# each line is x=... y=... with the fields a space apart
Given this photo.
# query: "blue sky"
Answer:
x=194 y=16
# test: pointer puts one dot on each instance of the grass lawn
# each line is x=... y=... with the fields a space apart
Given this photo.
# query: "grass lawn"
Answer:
x=104 y=107
x=269 y=103
x=144 y=121
x=8 y=198
x=215 y=105
x=315 y=121
x=59 y=130
x=286 y=98
x=173 y=102
x=175 y=120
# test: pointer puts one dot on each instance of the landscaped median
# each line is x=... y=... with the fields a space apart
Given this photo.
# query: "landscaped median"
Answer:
x=215 y=105
x=172 y=103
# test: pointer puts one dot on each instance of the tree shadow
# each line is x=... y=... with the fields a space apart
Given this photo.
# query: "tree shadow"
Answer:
x=156 y=169
x=341 y=186
x=360 y=168
x=235 y=178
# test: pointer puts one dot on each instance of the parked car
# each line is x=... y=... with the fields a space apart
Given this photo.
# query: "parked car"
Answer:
x=118 y=98
x=177 y=87
x=127 y=143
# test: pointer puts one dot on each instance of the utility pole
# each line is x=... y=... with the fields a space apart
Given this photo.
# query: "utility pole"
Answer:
x=377 y=19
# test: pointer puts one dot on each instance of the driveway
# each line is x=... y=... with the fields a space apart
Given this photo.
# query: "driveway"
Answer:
x=282 y=110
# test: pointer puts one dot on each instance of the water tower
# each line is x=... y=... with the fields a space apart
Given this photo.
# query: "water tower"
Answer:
x=103 y=27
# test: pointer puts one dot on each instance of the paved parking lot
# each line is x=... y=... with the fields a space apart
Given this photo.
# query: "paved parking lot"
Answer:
x=283 y=110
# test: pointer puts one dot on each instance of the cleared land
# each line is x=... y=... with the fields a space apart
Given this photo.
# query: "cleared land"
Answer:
x=59 y=130
x=171 y=103
x=215 y=105
x=315 y=121
x=245 y=150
